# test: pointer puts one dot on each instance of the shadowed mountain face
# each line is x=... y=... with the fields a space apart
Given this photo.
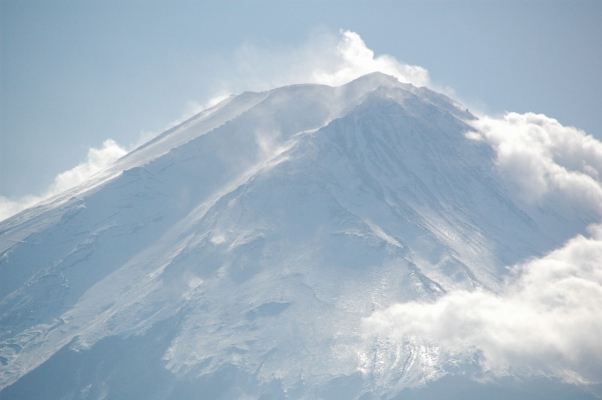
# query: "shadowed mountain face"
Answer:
x=235 y=255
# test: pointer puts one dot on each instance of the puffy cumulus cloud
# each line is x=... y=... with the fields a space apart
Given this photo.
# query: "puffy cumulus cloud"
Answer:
x=548 y=319
x=96 y=161
x=324 y=58
x=355 y=59
x=542 y=158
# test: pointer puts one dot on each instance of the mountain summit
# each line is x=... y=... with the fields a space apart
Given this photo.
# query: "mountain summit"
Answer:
x=235 y=255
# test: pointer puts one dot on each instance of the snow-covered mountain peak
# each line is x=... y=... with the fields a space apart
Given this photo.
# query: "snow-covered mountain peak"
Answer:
x=374 y=80
x=248 y=243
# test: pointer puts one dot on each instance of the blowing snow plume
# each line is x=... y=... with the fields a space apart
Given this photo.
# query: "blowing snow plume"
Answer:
x=324 y=59
x=97 y=160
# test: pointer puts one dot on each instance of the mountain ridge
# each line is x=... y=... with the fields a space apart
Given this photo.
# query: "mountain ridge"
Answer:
x=268 y=226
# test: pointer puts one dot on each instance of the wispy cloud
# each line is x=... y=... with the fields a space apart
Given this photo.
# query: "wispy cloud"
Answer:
x=10 y=207
x=325 y=58
x=96 y=161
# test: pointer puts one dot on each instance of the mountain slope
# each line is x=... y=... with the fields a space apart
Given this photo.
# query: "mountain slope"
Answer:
x=245 y=246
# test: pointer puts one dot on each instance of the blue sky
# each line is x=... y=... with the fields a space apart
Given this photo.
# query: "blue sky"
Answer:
x=75 y=73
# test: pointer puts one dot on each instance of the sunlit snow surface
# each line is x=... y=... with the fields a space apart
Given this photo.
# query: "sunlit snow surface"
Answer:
x=261 y=232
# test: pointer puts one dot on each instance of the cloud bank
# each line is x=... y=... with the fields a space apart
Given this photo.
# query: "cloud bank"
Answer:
x=547 y=320
x=542 y=159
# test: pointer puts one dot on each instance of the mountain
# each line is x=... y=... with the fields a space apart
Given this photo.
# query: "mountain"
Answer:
x=235 y=255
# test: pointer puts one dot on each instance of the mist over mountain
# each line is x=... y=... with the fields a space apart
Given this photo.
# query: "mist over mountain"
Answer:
x=371 y=240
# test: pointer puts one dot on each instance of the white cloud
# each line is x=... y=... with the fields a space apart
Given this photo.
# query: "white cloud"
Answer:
x=542 y=159
x=547 y=320
x=96 y=161
x=10 y=207
x=324 y=59
x=354 y=59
